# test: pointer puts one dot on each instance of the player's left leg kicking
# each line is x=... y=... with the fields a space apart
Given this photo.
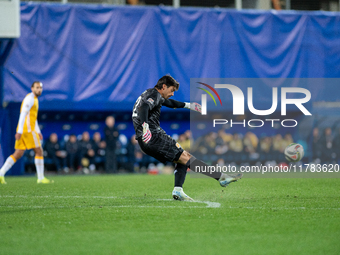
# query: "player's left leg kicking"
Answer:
x=164 y=148
x=185 y=161
x=27 y=141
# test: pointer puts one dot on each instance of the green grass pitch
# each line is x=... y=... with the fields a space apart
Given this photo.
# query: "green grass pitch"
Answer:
x=134 y=214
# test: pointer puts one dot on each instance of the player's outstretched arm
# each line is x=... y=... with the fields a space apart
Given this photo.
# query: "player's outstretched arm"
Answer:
x=170 y=103
x=176 y=104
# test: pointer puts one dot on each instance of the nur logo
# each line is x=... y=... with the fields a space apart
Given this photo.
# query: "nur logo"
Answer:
x=239 y=99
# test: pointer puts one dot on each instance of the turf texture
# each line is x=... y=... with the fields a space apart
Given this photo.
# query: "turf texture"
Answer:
x=134 y=214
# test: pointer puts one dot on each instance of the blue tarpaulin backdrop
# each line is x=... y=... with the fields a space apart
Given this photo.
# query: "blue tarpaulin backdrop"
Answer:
x=92 y=57
x=103 y=57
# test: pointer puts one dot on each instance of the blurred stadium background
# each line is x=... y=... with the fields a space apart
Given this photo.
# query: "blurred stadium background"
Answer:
x=96 y=57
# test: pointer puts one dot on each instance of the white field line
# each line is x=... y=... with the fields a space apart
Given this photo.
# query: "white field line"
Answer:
x=208 y=204
x=108 y=206
x=22 y=196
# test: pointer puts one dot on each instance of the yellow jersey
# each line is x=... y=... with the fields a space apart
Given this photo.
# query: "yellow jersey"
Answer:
x=28 y=115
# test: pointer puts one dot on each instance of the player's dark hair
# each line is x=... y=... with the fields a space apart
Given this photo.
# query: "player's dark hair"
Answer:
x=168 y=80
x=34 y=83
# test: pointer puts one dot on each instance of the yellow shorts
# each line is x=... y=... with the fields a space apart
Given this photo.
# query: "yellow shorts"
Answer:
x=28 y=141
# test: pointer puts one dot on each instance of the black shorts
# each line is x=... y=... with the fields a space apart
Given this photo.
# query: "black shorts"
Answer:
x=162 y=147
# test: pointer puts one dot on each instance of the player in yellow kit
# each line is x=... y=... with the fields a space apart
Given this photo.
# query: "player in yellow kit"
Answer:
x=28 y=135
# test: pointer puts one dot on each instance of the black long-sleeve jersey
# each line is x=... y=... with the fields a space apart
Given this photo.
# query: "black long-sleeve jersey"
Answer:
x=148 y=108
x=154 y=100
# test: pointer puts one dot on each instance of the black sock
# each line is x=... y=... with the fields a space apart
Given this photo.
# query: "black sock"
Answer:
x=202 y=168
x=180 y=173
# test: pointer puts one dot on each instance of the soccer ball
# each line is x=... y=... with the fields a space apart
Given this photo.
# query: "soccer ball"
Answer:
x=294 y=152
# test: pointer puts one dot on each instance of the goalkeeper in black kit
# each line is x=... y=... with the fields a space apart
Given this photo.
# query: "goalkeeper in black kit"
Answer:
x=155 y=142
